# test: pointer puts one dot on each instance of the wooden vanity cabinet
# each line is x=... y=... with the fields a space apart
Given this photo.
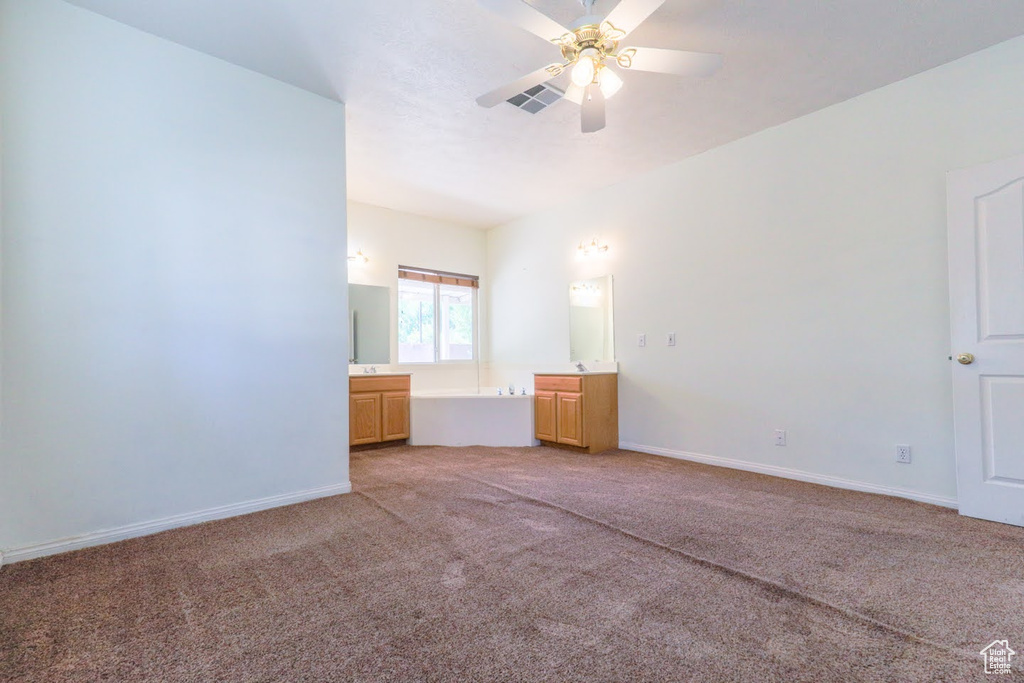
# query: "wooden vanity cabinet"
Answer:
x=578 y=411
x=378 y=409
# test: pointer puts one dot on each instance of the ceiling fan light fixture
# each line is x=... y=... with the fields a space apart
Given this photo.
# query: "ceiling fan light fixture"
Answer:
x=585 y=70
x=609 y=81
x=574 y=93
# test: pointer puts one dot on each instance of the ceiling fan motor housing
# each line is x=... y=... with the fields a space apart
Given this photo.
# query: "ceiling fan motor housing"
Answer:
x=590 y=36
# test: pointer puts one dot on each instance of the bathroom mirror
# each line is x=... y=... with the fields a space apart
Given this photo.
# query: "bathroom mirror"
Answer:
x=591 y=335
x=369 y=331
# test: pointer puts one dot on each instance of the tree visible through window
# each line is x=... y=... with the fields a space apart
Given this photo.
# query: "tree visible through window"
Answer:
x=436 y=313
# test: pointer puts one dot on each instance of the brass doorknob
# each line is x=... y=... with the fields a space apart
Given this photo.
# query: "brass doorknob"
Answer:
x=965 y=358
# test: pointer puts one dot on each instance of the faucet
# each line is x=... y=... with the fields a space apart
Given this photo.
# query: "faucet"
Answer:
x=580 y=366
x=372 y=370
x=511 y=389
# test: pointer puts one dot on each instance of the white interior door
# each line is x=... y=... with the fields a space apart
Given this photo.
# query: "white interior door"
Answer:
x=986 y=282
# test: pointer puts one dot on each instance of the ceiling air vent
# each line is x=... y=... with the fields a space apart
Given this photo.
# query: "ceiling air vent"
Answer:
x=537 y=98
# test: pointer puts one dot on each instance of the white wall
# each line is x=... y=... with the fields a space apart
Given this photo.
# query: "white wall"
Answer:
x=392 y=238
x=804 y=270
x=174 y=299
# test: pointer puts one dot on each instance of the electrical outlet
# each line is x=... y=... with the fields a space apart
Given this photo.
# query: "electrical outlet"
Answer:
x=641 y=340
x=671 y=339
x=902 y=453
x=780 y=437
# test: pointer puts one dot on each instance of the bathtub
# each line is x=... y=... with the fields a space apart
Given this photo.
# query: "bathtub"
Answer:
x=471 y=417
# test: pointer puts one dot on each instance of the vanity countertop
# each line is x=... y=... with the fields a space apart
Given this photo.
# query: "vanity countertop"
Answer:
x=576 y=372
x=378 y=374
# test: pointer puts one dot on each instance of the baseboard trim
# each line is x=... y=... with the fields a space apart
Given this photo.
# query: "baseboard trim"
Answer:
x=31 y=552
x=799 y=475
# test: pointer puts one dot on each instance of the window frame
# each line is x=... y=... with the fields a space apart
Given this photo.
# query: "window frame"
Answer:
x=438 y=278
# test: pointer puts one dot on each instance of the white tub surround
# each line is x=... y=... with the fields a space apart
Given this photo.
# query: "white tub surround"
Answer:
x=471 y=417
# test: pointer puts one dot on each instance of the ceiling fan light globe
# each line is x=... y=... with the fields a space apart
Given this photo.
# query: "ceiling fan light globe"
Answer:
x=574 y=93
x=609 y=81
x=584 y=71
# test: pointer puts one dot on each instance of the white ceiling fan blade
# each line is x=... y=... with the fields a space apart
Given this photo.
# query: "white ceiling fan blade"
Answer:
x=678 y=62
x=518 y=12
x=499 y=95
x=593 y=109
x=629 y=14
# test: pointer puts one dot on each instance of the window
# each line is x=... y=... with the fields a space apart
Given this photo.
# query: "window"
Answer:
x=436 y=316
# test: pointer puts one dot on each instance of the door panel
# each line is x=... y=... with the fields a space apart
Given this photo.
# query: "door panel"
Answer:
x=395 y=416
x=544 y=415
x=1001 y=263
x=570 y=419
x=1003 y=410
x=364 y=419
x=986 y=274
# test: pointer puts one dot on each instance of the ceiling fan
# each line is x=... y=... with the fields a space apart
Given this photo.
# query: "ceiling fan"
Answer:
x=588 y=50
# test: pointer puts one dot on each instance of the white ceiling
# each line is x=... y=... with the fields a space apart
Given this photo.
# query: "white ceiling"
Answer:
x=410 y=70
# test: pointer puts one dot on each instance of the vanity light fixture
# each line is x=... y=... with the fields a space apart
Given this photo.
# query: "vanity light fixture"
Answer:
x=359 y=258
x=591 y=248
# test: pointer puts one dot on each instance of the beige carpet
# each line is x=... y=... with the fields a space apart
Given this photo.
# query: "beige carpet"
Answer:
x=532 y=565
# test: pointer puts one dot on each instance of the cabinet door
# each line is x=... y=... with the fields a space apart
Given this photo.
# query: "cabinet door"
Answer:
x=395 y=415
x=364 y=419
x=570 y=419
x=544 y=415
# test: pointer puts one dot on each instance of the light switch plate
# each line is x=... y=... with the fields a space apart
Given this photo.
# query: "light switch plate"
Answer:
x=671 y=339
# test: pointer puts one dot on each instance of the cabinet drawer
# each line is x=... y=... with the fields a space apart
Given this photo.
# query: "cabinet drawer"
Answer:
x=359 y=384
x=557 y=383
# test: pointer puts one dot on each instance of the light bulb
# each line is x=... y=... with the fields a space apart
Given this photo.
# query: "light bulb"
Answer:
x=610 y=82
x=583 y=72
